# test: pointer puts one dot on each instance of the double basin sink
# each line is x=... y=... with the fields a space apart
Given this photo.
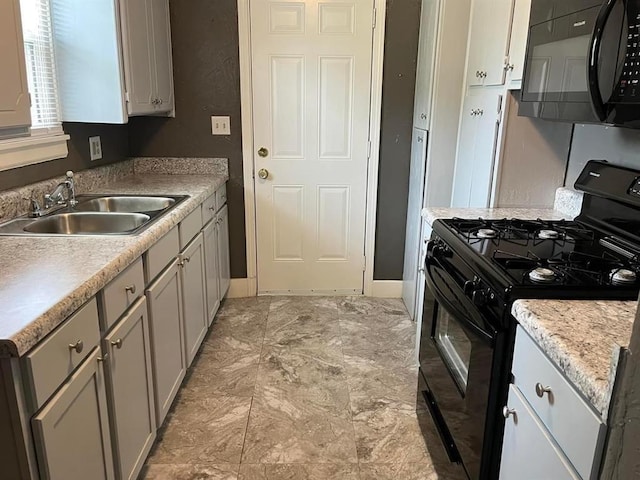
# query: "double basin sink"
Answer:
x=96 y=215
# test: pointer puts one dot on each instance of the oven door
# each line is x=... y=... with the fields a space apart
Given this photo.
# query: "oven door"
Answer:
x=456 y=361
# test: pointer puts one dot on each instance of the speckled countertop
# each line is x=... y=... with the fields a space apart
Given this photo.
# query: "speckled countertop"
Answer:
x=45 y=279
x=432 y=214
x=583 y=338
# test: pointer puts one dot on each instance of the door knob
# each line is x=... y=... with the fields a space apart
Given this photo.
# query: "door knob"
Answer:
x=263 y=173
x=263 y=152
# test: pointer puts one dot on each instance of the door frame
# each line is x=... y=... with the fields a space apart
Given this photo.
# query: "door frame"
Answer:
x=375 y=114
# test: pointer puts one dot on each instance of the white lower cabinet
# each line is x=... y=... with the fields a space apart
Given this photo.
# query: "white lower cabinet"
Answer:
x=194 y=303
x=223 y=250
x=71 y=432
x=210 y=238
x=529 y=452
x=164 y=300
x=130 y=392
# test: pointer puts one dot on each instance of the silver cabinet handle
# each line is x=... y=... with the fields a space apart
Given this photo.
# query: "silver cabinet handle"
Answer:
x=480 y=112
x=103 y=358
x=184 y=261
x=130 y=288
x=212 y=208
x=419 y=139
x=78 y=346
x=507 y=412
x=423 y=116
x=541 y=390
x=117 y=343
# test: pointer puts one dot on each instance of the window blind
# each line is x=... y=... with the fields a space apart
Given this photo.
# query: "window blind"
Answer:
x=40 y=62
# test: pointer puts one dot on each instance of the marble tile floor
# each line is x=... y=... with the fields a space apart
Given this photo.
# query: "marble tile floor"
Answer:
x=301 y=388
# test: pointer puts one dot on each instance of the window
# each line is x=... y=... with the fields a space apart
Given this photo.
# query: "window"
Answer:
x=45 y=140
x=39 y=59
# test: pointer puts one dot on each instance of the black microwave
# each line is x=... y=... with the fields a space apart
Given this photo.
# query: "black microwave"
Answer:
x=583 y=62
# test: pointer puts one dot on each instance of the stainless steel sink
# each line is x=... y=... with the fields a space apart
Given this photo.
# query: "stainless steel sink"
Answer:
x=124 y=204
x=88 y=223
x=97 y=215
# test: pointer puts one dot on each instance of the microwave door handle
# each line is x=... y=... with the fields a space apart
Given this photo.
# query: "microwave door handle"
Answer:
x=594 y=58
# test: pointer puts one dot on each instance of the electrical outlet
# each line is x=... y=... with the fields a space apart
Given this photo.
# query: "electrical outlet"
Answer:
x=95 y=148
x=220 y=125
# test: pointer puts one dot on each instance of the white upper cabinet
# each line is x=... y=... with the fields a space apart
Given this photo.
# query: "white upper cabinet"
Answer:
x=488 y=41
x=124 y=67
x=518 y=43
x=426 y=63
x=147 y=54
x=14 y=92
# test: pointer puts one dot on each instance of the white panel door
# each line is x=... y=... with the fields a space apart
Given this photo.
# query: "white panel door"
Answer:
x=311 y=64
x=518 y=42
x=426 y=63
x=163 y=74
x=414 y=218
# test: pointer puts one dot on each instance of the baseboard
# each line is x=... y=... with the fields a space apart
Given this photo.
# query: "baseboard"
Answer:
x=242 y=287
x=387 y=289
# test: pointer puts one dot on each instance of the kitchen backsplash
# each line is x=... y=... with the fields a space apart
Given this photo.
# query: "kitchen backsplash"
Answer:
x=620 y=146
x=15 y=202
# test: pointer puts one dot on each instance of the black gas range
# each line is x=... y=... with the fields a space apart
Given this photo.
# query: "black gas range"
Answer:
x=477 y=268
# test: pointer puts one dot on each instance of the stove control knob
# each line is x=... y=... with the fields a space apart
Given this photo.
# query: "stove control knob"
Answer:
x=480 y=297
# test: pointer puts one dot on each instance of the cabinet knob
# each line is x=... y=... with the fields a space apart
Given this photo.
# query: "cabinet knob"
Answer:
x=212 y=208
x=103 y=358
x=78 y=346
x=477 y=74
x=509 y=67
x=117 y=343
x=263 y=152
x=507 y=412
x=419 y=139
x=130 y=289
x=480 y=112
x=423 y=116
x=184 y=261
x=541 y=390
x=263 y=173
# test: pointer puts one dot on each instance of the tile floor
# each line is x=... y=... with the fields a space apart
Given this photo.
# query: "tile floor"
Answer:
x=301 y=388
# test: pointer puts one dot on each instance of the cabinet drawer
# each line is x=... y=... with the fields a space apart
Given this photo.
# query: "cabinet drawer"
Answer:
x=221 y=196
x=120 y=294
x=572 y=422
x=190 y=226
x=209 y=209
x=53 y=360
x=161 y=254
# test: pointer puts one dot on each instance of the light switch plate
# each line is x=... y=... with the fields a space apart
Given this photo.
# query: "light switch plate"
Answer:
x=220 y=125
x=95 y=148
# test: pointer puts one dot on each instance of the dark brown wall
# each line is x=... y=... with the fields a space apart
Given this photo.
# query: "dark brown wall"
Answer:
x=207 y=82
x=204 y=34
x=115 y=147
x=401 y=46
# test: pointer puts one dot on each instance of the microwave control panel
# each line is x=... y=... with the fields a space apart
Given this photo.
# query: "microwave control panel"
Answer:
x=628 y=89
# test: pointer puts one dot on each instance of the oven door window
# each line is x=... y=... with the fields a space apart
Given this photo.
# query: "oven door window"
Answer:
x=454 y=346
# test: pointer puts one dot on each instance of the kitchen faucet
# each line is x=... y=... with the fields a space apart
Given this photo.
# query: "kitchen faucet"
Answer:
x=56 y=198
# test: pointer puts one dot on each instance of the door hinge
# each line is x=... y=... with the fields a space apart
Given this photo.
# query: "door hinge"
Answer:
x=368 y=149
x=375 y=15
x=500 y=99
x=364 y=263
x=30 y=101
x=127 y=98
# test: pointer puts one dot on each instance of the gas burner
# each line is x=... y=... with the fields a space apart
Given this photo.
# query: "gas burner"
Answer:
x=622 y=276
x=548 y=234
x=542 y=275
x=486 y=233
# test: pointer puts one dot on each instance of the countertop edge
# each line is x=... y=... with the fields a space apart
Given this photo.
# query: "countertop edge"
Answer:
x=27 y=337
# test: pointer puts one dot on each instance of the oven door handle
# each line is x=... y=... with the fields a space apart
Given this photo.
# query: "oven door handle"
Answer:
x=475 y=323
x=594 y=58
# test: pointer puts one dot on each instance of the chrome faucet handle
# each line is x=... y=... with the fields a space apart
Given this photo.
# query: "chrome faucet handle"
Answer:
x=48 y=201
x=71 y=189
x=34 y=208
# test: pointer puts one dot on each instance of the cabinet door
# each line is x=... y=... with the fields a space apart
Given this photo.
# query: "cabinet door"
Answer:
x=194 y=303
x=496 y=39
x=485 y=147
x=414 y=210
x=518 y=43
x=210 y=239
x=223 y=251
x=463 y=174
x=14 y=92
x=164 y=300
x=476 y=42
x=133 y=417
x=163 y=68
x=528 y=451
x=426 y=62
x=71 y=432
x=137 y=44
